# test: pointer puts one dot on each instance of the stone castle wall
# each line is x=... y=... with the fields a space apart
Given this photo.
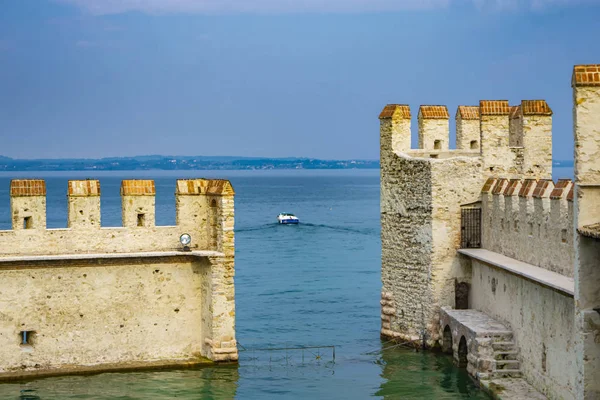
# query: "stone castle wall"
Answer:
x=419 y=215
x=94 y=298
x=530 y=220
x=541 y=320
x=539 y=269
x=422 y=191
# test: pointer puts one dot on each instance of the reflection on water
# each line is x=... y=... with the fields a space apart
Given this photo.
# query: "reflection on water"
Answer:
x=406 y=374
x=315 y=284
x=411 y=374
x=203 y=383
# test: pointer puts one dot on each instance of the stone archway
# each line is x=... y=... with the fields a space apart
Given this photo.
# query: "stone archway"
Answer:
x=462 y=352
x=447 y=340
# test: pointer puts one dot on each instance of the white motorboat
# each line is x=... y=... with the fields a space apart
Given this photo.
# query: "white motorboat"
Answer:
x=287 y=218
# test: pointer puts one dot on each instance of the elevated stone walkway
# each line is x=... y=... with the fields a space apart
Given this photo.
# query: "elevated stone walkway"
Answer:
x=487 y=349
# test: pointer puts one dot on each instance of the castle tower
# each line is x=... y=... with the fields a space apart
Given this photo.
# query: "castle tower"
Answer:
x=28 y=204
x=83 y=201
x=420 y=221
x=138 y=203
x=495 y=132
x=586 y=129
x=395 y=128
x=536 y=128
x=192 y=208
x=468 y=131
x=434 y=130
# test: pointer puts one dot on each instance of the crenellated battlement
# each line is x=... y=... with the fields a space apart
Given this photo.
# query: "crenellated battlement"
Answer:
x=515 y=140
x=163 y=304
x=204 y=209
x=530 y=220
x=485 y=228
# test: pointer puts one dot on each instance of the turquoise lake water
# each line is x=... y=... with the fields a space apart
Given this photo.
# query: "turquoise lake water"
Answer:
x=315 y=284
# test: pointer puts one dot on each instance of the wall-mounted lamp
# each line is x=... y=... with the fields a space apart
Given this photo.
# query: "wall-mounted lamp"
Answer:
x=185 y=241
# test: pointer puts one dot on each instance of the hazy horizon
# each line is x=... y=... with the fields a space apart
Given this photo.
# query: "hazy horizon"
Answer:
x=272 y=79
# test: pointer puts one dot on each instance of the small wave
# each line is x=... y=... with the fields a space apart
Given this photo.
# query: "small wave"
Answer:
x=304 y=225
x=366 y=231
x=259 y=228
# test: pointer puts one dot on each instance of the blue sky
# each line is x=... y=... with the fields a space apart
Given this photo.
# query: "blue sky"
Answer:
x=96 y=78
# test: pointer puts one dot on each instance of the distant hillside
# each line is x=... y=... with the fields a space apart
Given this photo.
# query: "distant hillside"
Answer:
x=159 y=162
x=180 y=163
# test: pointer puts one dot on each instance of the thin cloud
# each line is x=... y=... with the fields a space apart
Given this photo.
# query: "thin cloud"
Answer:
x=100 y=7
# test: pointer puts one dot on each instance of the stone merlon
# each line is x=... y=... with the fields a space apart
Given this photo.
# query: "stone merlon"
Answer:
x=467 y=112
x=27 y=187
x=395 y=111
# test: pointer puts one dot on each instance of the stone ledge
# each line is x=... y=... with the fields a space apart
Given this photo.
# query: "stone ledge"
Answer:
x=104 y=368
x=511 y=388
x=552 y=280
x=152 y=254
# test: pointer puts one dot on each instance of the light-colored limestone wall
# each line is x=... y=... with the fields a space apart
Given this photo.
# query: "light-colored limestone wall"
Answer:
x=468 y=134
x=406 y=243
x=455 y=182
x=586 y=129
x=223 y=344
x=83 y=212
x=537 y=146
x=498 y=159
x=103 y=312
x=395 y=130
x=433 y=134
x=542 y=321
x=419 y=263
x=194 y=216
x=104 y=240
x=28 y=212
x=83 y=202
x=189 y=300
x=535 y=230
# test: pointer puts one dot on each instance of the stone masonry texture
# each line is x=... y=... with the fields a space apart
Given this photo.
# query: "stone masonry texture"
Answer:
x=140 y=301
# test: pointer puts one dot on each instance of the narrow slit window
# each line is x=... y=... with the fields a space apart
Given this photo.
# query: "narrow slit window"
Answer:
x=437 y=145
x=474 y=145
x=26 y=338
x=27 y=223
x=141 y=219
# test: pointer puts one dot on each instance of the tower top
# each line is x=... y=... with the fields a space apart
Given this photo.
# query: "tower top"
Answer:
x=494 y=107
x=468 y=112
x=395 y=110
x=535 y=107
x=27 y=187
x=434 y=112
x=586 y=75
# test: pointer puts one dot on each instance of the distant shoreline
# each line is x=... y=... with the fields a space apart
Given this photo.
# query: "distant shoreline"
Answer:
x=190 y=163
x=177 y=163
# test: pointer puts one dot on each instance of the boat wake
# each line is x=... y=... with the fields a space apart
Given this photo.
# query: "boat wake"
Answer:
x=308 y=225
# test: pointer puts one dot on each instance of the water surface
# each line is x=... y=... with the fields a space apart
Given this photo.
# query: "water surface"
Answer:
x=315 y=284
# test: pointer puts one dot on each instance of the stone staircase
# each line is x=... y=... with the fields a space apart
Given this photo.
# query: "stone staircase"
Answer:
x=492 y=356
x=506 y=360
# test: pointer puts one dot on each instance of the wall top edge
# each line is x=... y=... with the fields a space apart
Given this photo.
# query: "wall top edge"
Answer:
x=97 y=256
